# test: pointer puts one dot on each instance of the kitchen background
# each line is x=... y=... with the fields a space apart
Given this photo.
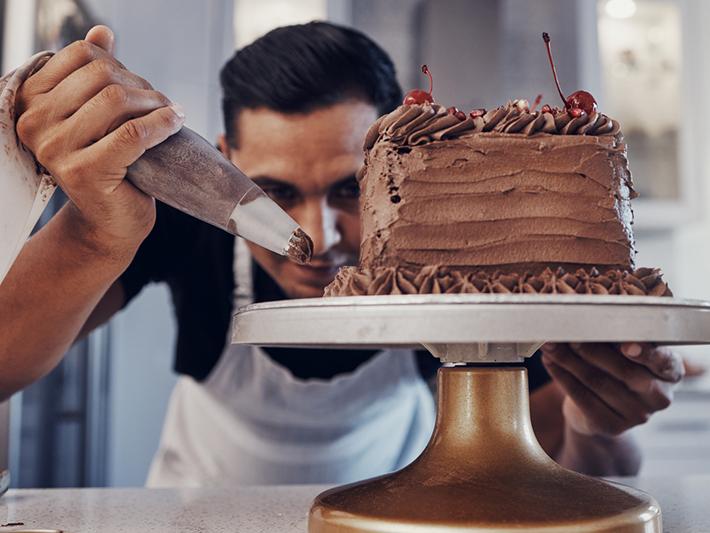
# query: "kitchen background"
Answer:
x=96 y=419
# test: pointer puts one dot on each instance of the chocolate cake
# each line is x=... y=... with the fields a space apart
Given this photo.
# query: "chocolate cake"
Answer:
x=506 y=200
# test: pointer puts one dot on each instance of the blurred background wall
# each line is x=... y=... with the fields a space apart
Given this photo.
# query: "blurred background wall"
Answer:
x=642 y=59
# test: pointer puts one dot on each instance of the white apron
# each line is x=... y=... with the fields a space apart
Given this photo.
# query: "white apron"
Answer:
x=251 y=422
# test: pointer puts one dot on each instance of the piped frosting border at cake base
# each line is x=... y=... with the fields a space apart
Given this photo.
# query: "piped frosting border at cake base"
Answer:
x=435 y=279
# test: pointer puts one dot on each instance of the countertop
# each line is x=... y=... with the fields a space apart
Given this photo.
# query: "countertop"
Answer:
x=684 y=500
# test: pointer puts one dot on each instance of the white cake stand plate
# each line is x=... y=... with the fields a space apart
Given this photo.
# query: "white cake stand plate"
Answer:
x=483 y=469
x=472 y=328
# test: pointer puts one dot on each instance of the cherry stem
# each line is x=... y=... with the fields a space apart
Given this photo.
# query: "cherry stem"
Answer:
x=536 y=103
x=426 y=71
x=546 y=38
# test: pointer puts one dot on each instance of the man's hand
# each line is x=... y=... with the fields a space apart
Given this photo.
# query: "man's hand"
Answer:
x=610 y=389
x=86 y=118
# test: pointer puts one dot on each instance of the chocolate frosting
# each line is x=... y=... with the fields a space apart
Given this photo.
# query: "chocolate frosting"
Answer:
x=506 y=202
x=497 y=201
x=353 y=281
x=419 y=124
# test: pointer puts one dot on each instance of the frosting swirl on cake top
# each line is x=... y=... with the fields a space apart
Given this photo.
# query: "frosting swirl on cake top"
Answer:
x=419 y=124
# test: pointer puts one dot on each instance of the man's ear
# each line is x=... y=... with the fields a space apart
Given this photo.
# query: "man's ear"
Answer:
x=223 y=146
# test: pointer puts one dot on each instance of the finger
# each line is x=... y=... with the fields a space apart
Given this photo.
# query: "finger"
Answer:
x=85 y=83
x=655 y=394
x=661 y=361
x=101 y=36
x=63 y=63
x=128 y=142
x=627 y=404
x=603 y=418
x=80 y=87
x=607 y=358
x=106 y=111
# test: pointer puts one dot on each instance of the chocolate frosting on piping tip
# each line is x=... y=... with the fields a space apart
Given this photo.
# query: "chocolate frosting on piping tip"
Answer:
x=300 y=247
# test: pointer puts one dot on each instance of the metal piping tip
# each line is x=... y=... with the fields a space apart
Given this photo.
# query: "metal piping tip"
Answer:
x=300 y=247
x=260 y=220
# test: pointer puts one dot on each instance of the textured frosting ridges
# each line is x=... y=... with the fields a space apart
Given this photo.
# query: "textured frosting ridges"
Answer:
x=494 y=200
x=353 y=281
x=419 y=124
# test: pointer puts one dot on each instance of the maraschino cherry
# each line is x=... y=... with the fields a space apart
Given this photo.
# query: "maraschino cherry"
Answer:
x=417 y=96
x=455 y=111
x=581 y=100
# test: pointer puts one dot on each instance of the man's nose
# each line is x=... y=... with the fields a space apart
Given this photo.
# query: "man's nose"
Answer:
x=320 y=221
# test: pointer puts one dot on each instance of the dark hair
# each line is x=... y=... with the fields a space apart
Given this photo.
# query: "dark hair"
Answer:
x=295 y=69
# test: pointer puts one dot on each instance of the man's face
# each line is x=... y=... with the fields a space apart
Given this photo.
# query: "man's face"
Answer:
x=307 y=164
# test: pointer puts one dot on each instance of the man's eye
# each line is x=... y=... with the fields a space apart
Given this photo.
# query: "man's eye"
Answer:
x=280 y=193
x=347 y=190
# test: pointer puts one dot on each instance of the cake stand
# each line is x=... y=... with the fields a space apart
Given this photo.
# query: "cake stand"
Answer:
x=483 y=469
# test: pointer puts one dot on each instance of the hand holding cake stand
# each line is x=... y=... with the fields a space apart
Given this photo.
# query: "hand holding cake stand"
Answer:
x=483 y=469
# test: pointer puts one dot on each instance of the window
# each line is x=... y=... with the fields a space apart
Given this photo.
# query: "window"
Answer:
x=640 y=53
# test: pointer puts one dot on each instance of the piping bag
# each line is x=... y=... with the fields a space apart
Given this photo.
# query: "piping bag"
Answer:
x=185 y=171
x=188 y=173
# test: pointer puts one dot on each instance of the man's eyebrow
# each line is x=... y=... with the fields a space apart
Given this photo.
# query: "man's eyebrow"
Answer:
x=264 y=181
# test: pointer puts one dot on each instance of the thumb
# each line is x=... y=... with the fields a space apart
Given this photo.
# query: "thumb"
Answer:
x=101 y=36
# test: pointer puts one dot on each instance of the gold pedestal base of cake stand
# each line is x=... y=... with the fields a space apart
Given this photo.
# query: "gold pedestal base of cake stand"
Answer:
x=483 y=470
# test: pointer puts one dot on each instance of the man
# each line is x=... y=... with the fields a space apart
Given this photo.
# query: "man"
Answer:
x=297 y=104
